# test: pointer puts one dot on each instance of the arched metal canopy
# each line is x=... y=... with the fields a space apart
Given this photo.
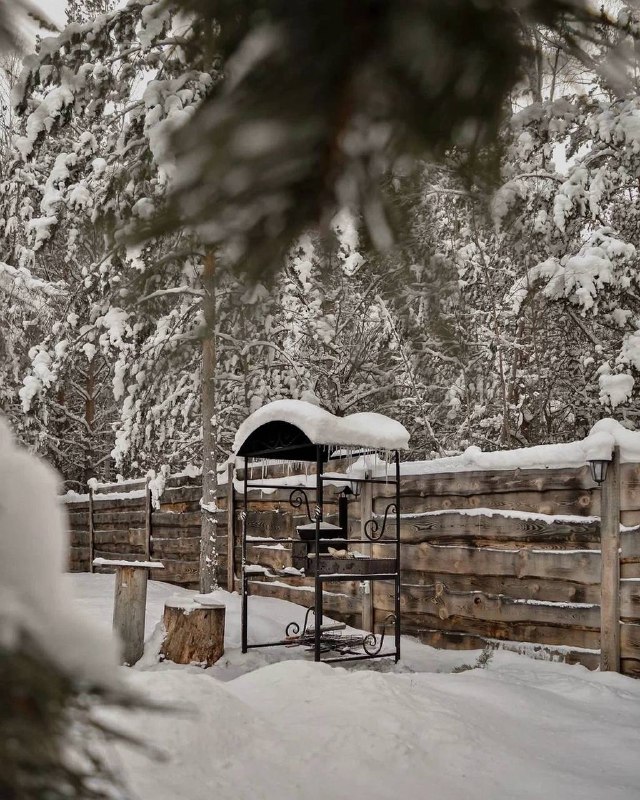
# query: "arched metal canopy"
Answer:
x=280 y=439
x=295 y=430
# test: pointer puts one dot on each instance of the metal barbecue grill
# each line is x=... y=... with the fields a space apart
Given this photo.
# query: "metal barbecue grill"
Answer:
x=322 y=550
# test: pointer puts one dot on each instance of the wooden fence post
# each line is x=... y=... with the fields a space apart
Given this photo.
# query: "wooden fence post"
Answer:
x=129 y=607
x=610 y=567
x=366 y=513
x=148 y=511
x=231 y=510
x=91 y=537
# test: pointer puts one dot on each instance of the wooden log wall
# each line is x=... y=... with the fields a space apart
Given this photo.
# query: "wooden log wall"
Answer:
x=513 y=559
x=482 y=562
x=123 y=528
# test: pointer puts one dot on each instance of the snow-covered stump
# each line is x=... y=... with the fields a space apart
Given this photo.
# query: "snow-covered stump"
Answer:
x=130 y=604
x=194 y=632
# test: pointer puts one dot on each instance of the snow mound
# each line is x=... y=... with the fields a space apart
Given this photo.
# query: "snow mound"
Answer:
x=34 y=596
x=247 y=729
x=303 y=730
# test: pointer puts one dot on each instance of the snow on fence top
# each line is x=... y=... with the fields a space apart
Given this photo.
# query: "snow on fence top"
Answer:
x=321 y=427
x=599 y=444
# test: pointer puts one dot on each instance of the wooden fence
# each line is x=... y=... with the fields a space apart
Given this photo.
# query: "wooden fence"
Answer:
x=509 y=558
x=120 y=521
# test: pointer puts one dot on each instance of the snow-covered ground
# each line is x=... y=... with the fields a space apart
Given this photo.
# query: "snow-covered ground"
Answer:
x=273 y=725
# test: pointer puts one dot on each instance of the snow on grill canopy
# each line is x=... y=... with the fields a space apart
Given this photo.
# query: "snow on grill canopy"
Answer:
x=293 y=429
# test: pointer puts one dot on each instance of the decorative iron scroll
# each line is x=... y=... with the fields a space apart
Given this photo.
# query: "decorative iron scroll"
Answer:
x=372 y=529
x=370 y=643
x=297 y=498
x=343 y=643
x=293 y=629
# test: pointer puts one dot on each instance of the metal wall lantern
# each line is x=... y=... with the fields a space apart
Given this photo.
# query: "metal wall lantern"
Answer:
x=353 y=489
x=598 y=468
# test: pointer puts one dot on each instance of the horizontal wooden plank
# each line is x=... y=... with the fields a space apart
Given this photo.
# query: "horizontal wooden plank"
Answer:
x=129 y=486
x=560 y=591
x=179 y=571
x=168 y=519
x=273 y=524
x=578 y=565
x=123 y=536
x=444 y=602
x=133 y=518
x=119 y=553
x=630 y=640
x=267 y=556
x=75 y=506
x=114 y=549
x=183 y=480
x=78 y=519
x=358 y=567
x=180 y=508
x=514 y=631
x=162 y=548
x=333 y=602
x=118 y=504
x=631 y=570
x=630 y=546
x=494 y=482
x=308 y=583
x=482 y=530
x=452 y=640
x=629 y=487
x=78 y=538
x=266 y=498
x=181 y=494
x=630 y=600
x=630 y=667
x=135 y=485
x=449 y=640
x=175 y=533
x=580 y=503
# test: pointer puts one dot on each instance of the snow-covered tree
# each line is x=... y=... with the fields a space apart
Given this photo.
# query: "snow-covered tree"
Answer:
x=322 y=98
x=104 y=93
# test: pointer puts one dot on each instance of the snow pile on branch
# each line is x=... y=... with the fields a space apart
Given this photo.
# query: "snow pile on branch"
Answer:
x=321 y=427
x=34 y=597
x=602 y=262
x=616 y=389
x=30 y=291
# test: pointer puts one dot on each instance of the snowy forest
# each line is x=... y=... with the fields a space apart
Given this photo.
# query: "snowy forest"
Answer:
x=505 y=312
x=429 y=211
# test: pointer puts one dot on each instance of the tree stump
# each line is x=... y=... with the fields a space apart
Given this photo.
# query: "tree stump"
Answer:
x=194 y=632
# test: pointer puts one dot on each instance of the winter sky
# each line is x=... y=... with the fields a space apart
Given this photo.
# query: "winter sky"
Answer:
x=53 y=9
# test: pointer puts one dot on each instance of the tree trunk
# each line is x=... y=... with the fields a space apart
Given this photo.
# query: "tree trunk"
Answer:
x=194 y=633
x=208 y=556
x=89 y=416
